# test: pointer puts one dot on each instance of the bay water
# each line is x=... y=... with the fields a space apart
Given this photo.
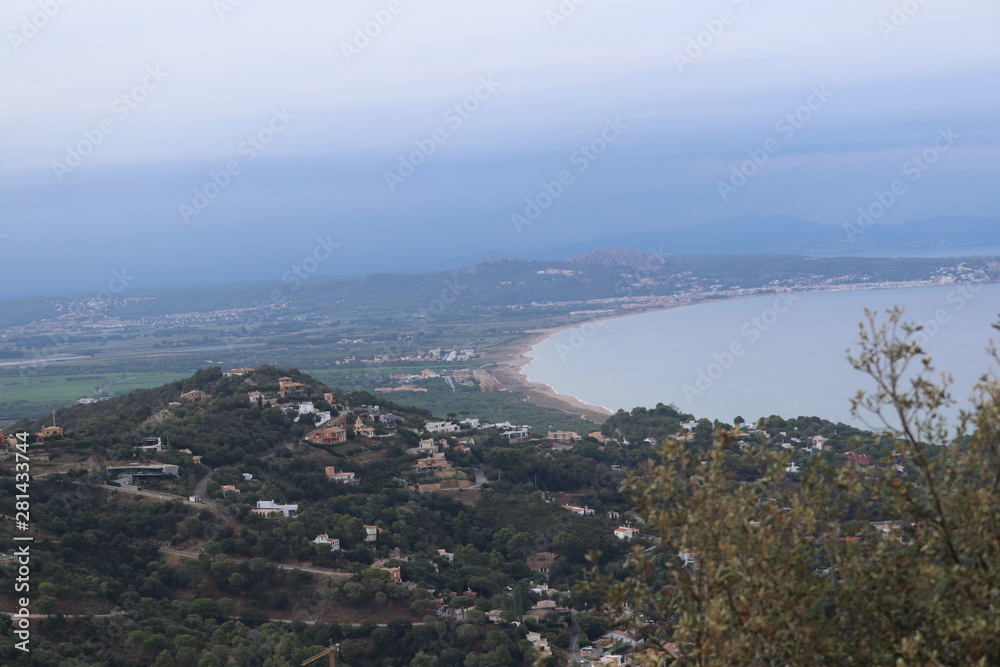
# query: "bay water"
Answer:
x=760 y=356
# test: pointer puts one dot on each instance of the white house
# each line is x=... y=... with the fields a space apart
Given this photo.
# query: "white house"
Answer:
x=308 y=408
x=344 y=477
x=540 y=643
x=515 y=435
x=325 y=539
x=150 y=445
x=626 y=532
x=441 y=427
x=269 y=506
x=689 y=556
x=621 y=637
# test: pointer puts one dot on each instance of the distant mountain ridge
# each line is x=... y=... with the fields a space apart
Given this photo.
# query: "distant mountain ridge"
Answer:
x=787 y=235
x=614 y=257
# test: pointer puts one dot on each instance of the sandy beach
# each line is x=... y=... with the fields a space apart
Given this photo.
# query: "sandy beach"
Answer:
x=510 y=361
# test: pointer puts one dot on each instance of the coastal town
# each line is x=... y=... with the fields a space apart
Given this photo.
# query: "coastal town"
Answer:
x=108 y=326
x=353 y=446
x=413 y=476
x=362 y=450
x=89 y=349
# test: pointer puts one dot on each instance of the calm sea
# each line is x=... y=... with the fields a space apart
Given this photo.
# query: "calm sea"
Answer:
x=761 y=356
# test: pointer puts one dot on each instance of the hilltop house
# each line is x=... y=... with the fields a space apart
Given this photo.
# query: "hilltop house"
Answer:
x=195 y=396
x=434 y=464
x=689 y=556
x=269 y=507
x=860 y=460
x=344 y=477
x=150 y=445
x=540 y=643
x=334 y=543
x=515 y=435
x=621 y=637
x=542 y=561
x=626 y=532
x=441 y=427
x=319 y=417
x=144 y=470
x=289 y=388
x=361 y=430
x=331 y=435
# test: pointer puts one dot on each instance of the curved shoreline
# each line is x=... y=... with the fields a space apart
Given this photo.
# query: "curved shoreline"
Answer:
x=510 y=359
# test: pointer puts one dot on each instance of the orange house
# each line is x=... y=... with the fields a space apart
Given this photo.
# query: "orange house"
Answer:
x=331 y=435
x=288 y=387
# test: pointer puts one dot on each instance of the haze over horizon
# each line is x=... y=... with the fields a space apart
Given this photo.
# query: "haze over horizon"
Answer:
x=285 y=121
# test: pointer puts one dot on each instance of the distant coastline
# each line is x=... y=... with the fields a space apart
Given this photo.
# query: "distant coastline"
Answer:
x=510 y=359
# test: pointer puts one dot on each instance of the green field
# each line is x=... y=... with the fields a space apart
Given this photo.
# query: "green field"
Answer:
x=467 y=402
x=37 y=395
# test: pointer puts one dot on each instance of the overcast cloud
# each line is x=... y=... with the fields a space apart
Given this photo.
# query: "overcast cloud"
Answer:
x=314 y=117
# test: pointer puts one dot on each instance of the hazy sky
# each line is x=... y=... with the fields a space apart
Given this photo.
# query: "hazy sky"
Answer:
x=196 y=141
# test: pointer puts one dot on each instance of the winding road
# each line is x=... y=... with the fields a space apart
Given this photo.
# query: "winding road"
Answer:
x=336 y=574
